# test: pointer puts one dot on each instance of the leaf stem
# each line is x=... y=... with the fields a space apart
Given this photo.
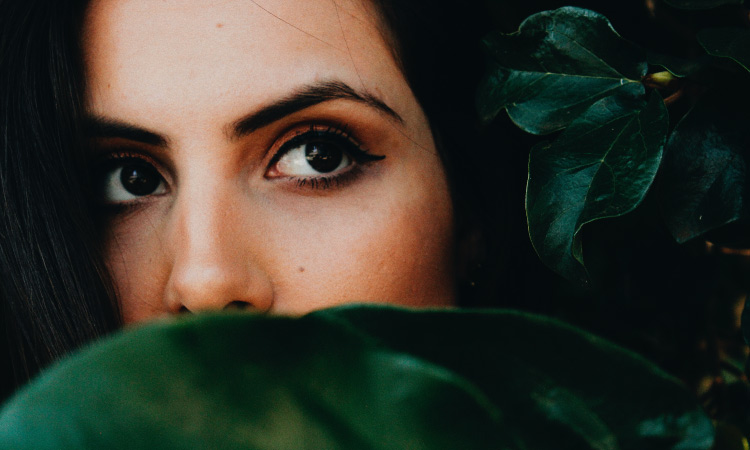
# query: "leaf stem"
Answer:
x=675 y=96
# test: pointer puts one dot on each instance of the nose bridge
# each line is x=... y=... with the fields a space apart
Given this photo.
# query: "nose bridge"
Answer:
x=213 y=263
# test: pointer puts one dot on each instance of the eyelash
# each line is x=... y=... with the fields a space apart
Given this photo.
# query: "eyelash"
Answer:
x=118 y=157
x=337 y=135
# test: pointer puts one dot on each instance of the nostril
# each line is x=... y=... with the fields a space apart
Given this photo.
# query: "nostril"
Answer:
x=231 y=306
x=237 y=305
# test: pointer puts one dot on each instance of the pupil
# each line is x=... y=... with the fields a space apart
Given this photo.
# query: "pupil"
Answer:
x=323 y=157
x=139 y=180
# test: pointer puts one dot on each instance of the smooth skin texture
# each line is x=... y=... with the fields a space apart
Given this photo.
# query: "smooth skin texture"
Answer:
x=176 y=87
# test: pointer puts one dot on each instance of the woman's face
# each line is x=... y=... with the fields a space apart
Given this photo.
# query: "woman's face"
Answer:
x=265 y=153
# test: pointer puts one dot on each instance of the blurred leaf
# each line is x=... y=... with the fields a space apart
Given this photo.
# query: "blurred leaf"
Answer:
x=586 y=391
x=356 y=377
x=600 y=167
x=733 y=43
x=701 y=4
x=248 y=382
x=704 y=177
x=557 y=65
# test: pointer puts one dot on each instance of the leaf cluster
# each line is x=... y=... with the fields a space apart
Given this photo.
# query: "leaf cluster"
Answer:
x=619 y=126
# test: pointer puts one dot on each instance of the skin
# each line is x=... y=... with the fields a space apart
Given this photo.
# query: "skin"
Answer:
x=228 y=226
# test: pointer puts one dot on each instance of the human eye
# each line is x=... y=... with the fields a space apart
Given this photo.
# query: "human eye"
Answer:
x=319 y=157
x=122 y=179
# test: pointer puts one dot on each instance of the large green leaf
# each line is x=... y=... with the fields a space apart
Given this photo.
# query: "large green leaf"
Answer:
x=733 y=43
x=557 y=65
x=563 y=388
x=600 y=167
x=248 y=382
x=704 y=178
x=702 y=4
x=356 y=378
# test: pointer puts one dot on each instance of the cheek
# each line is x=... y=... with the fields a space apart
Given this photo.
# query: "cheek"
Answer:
x=134 y=253
x=395 y=247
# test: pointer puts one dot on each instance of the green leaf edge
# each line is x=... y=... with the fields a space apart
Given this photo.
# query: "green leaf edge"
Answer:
x=701 y=40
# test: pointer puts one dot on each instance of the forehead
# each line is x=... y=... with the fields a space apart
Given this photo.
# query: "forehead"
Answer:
x=209 y=54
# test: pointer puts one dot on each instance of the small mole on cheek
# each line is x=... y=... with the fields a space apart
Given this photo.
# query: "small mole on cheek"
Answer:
x=219 y=25
x=301 y=269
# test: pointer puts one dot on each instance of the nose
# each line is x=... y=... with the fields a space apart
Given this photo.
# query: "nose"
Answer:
x=216 y=263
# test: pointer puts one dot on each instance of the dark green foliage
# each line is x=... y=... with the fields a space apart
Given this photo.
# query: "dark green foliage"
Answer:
x=733 y=43
x=555 y=67
x=356 y=377
x=601 y=166
x=704 y=183
x=568 y=69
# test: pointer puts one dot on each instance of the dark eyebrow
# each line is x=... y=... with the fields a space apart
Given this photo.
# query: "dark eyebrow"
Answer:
x=99 y=127
x=311 y=95
x=306 y=97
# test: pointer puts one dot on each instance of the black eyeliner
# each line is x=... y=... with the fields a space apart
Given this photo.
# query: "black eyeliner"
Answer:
x=339 y=135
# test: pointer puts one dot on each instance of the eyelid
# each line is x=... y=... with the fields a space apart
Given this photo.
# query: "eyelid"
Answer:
x=299 y=136
x=110 y=157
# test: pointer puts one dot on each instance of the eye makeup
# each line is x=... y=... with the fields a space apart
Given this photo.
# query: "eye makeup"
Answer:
x=124 y=177
x=313 y=157
x=320 y=157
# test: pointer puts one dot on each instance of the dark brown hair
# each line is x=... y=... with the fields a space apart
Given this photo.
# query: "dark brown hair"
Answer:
x=54 y=294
